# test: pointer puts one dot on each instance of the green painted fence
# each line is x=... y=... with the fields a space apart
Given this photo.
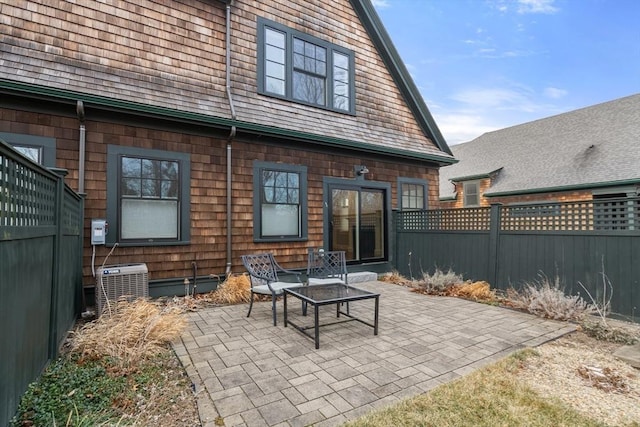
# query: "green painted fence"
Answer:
x=509 y=245
x=40 y=271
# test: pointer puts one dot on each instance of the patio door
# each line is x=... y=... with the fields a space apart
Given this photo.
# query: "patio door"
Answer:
x=357 y=220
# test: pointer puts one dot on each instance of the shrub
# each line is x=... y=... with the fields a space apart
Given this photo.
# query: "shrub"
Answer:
x=603 y=332
x=439 y=281
x=547 y=299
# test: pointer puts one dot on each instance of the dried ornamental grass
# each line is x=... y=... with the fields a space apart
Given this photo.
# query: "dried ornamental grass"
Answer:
x=396 y=278
x=234 y=290
x=478 y=291
x=130 y=333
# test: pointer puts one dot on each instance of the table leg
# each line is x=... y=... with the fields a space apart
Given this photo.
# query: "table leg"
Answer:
x=285 y=309
x=316 y=321
x=375 y=319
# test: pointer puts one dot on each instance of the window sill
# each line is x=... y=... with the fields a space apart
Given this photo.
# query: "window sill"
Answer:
x=280 y=239
x=159 y=243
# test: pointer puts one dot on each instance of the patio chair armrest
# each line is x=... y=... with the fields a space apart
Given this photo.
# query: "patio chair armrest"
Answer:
x=295 y=273
x=284 y=270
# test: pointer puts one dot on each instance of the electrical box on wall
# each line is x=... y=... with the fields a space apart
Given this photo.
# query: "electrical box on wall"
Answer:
x=98 y=231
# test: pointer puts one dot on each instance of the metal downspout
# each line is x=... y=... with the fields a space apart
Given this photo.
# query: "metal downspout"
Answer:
x=232 y=133
x=81 y=146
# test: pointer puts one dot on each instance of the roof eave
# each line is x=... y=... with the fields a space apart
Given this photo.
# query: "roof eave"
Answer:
x=380 y=38
x=472 y=177
x=449 y=198
x=146 y=110
x=564 y=188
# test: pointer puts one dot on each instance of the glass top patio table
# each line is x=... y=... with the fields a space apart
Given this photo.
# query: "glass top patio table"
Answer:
x=329 y=293
x=334 y=293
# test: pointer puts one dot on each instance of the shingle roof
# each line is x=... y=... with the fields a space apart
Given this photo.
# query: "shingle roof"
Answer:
x=591 y=146
x=110 y=70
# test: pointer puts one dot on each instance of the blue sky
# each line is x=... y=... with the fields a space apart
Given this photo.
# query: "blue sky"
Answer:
x=483 y=65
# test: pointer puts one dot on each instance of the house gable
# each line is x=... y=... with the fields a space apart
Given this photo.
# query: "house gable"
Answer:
x=173 y=58
x=399 y=72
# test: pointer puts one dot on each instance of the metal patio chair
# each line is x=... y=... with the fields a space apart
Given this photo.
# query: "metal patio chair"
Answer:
x=263 y=274
x=326 y=267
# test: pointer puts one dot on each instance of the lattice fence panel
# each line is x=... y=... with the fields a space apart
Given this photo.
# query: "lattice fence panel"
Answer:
x=468 y=219
x=72 y=213
x=27 y=197
x=593 y=215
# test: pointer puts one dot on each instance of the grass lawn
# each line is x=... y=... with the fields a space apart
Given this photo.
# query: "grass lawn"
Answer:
x=490 y=397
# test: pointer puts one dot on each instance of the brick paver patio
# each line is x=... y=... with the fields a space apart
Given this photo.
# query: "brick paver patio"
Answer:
x=250 y=373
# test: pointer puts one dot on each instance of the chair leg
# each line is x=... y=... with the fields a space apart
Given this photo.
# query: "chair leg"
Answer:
x=250 y=304
x=273 y=308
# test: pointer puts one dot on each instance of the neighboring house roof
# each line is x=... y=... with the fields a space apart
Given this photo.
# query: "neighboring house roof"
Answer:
x=591 y=147
x=31 y=68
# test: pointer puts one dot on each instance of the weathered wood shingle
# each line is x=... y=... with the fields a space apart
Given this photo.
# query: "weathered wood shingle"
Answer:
x=171 y=54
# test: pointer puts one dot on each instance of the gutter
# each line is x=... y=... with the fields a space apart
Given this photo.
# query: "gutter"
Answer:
x=476 y=176
x=565 y=188
x=81 y=147
x=232 y=134
x=449 y=198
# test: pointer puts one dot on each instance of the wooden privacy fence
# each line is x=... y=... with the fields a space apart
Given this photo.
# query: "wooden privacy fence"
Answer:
x=40 y=271
x=508 y=245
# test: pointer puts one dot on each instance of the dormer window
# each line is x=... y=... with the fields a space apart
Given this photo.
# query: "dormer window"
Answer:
x=304 y=69
x=471 y=193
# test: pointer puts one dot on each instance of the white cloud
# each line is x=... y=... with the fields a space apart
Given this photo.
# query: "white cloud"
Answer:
x=380 y=4
x=477 y=110
x=491 y=53
x=515 y=98
x=554 y=93
x=537 y=6
x=462 y=127
x=525 y=6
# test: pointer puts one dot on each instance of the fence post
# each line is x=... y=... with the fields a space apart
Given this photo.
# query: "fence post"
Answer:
x=494 y=241
x=57 y=250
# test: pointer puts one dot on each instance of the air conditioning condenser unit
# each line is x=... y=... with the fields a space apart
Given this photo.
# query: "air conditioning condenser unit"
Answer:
x=113 y=282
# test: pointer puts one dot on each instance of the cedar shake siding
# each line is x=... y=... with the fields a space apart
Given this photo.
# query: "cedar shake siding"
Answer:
x=208 y=192
x=151 y=76
x=485 y=184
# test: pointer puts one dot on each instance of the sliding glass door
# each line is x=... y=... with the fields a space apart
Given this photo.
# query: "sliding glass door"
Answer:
x=357 y=222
